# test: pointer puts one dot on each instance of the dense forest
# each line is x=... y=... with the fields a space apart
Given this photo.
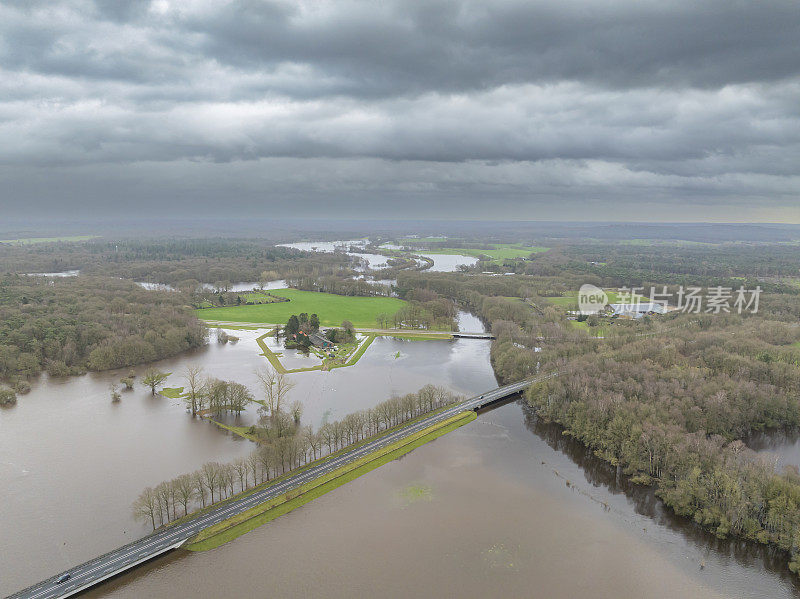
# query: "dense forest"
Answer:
x=671 y=410
x=70 y=325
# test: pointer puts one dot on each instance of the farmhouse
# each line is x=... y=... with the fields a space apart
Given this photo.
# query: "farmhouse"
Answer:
x=319 y=340
x=637 y=310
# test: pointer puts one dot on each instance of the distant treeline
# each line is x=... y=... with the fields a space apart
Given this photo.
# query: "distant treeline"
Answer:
x=339 y=285
x=775 y=267
x=70 y=325
x=180 y=263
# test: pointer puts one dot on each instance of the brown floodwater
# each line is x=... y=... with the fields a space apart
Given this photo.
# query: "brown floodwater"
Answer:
x=505 y=506
x=72 y=462
x=781 y=446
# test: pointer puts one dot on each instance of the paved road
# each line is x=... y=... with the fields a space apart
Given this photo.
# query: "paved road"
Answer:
x=161 y=541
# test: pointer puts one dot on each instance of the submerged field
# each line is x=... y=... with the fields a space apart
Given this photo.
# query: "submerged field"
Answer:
x=331 y=309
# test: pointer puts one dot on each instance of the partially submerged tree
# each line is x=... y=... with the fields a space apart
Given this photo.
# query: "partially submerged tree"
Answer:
x=7 y=396
x=276 y=386
x=154 y=379
x=195 y=388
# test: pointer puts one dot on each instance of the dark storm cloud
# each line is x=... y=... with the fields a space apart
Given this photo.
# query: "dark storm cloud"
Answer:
x=525 y=102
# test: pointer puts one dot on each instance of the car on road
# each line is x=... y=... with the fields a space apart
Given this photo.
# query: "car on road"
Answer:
x=63 y=578
x=481 y=397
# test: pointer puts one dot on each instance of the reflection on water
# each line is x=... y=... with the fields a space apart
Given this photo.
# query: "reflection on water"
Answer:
x=511 y=508
x=782 y=445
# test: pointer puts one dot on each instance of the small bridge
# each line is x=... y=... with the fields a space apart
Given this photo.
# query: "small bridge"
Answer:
x=462 y=335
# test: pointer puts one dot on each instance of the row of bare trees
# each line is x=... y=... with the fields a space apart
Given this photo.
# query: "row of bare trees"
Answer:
x=214 y=395
x=278 y=454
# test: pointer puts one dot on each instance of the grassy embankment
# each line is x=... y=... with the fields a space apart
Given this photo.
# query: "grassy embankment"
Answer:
x=346 y=356
x=233 y=527
x=332 y=309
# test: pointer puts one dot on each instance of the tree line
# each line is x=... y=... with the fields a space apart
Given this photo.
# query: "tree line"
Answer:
x=281 y=449
x=71 y=325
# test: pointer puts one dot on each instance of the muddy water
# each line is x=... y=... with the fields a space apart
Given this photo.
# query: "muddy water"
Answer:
x=71 y=461
x=441 y=262
x=448 y=262
x=503 y=507
x=234 y=288
x=389 y=367
x=781 y=446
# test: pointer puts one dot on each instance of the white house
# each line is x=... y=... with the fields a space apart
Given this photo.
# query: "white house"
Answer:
x=637 y=310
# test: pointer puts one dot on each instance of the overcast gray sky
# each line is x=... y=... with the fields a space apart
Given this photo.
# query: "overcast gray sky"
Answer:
x=611 y=110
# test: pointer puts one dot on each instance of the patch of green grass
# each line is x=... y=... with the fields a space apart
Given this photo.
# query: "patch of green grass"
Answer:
x=415 y=494
x=234 y=527
x=331 y=309
x=584 y=326
x=242 y=431
x=172 y=392
x=29 y=240
x=570 y=302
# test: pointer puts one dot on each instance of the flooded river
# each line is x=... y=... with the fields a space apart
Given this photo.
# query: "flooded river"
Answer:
x=441 y=262
x=505 y=506
x=71 y=461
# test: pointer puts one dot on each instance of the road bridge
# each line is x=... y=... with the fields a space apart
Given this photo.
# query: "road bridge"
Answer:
x=171 y=537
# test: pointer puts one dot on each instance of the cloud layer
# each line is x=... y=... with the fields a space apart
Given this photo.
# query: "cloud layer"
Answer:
x=614 y=110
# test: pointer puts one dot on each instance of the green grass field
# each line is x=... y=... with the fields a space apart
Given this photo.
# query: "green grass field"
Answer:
x=49 y=239
x=498 y=253
x=331 y=309
x=570 y=302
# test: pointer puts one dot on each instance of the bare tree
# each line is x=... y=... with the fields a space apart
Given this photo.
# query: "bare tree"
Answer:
x=276 y=386
x=154 y=378
x=145 y=506
x=252 y=465
x=186 y=490
x=210 y=473
x=198 y=479
x=195 y=385
x=240 y=467
x=314 y=441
